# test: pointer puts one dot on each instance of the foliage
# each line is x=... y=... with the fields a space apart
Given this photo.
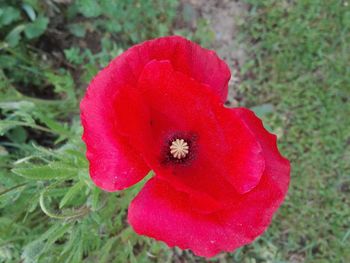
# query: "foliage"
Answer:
x=49 y=209
x=131 y=20
x=32 y=27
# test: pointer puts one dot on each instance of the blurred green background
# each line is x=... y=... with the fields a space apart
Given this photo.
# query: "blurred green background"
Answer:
x=290 y=63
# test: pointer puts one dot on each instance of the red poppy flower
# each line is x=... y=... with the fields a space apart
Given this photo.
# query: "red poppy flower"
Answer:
x=219 y=176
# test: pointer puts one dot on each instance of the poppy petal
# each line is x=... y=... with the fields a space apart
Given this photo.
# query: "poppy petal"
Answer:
x=164 y=213
x=222 y=135
x=244 y=158
x=276 y=165
x=185 y=56
x=161 y=212
x=114 y=163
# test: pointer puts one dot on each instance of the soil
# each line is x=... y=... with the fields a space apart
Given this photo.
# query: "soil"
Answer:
x=224 y=17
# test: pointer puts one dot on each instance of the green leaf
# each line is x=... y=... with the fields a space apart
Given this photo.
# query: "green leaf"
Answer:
x=7 y=61
x=131 y=253
x=95 y=198
x=74 y=239
x=74 y=55
x=14 y=36
x=77 y=30
x=105 y=250
x=8 y=15
x=32 y=251
x=10 y=193
x=54 y=233
x=63 y=215
x=62 y=83
x=89 y=8
x=55 y=126
x=7 y=125
x=36 y=248
x=36 y=28
x=17 y=134
x=78 y=252
x=29 y=11
x=47 y=172
x=72 y=192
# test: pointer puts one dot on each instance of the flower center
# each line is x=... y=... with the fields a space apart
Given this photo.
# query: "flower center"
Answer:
x=179 y=148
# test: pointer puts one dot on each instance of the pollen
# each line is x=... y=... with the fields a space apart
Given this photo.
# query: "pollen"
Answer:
x=179 y=148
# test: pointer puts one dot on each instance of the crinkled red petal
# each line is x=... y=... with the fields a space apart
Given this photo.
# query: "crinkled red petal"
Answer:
x=227 y=158
x=185 y=56
x=164 y=213
x=114 y=163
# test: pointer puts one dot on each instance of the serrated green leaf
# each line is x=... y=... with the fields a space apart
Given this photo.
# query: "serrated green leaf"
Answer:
x=71 y=193
x=32 y=251
x=28 y=121
x=9 y=194
x=132 y=257
x=77 y=155
x=104 y=251
x=54 y=233
x=47 y=172
x=76 y=253
x=54 y=125
x=95 y=197
x=62 y=83
x=36 y=248
x=74 y=55
x=74 y=238
x=89 y=8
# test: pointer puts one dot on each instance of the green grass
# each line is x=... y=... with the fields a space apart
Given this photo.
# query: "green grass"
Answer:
x=297 y=77
x=301 y=66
